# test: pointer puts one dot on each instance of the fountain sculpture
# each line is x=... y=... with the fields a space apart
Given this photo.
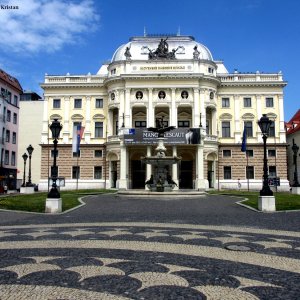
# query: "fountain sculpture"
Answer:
x=160 y=179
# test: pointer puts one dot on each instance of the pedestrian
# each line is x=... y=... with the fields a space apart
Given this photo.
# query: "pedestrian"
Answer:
x=5 y=189
x=239 y=184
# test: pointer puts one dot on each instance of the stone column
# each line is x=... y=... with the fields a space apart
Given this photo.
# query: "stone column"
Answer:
x=175 y=169
x=148 y=167
x=203 y=112
x=150 y=115
x=127 y=109
x=259 y=115
x=197 y=110
x=237 y=119
x=87 y=131
x=123 y=181
x=173 y=115
x=200 y=182
x=110 y=121
x=282 y=133
x=46 y=122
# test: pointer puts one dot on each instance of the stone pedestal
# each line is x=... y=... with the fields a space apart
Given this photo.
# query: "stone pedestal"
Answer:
x=266 y=203
x=53 y=205
x=296 y=190
x=27 y=190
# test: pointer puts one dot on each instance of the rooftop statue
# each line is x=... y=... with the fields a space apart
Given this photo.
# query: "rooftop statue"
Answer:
x=160 y=127
x=162 y=51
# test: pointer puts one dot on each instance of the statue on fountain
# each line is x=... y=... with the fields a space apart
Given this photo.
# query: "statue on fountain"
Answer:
x=160 y=127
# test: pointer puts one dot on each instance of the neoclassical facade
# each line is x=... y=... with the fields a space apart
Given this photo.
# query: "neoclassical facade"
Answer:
x=174 y=79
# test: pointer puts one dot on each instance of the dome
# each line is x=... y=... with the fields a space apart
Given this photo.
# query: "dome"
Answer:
x=140 y=47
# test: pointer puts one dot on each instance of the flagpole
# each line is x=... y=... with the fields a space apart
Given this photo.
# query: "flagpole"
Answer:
x=247 y=173
x=77 y=171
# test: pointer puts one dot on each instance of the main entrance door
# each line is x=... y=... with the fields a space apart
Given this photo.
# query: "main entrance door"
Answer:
x=138 y=173
x=186 y=175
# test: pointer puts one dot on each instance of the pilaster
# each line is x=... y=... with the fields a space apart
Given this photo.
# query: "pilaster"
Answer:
x=175 y=169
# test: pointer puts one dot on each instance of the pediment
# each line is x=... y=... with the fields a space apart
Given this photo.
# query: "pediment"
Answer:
x=55 y=116
x=248 y=116
x=77 y=117
x=98 y=116
x=226 y=116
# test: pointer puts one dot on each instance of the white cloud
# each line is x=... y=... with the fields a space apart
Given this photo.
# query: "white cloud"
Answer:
x=45 y=25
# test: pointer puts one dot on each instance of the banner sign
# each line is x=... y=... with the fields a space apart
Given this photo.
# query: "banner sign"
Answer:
x=141 y=136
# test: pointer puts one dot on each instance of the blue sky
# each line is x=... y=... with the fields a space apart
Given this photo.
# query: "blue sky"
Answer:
x=60 y=36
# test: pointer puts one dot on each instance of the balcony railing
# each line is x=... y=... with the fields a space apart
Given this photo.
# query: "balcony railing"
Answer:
x=238 y=77
x=113 y=138
x=211 y=138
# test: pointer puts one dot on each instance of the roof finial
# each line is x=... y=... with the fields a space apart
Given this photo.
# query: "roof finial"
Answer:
x=178 y=32
x=145 y=33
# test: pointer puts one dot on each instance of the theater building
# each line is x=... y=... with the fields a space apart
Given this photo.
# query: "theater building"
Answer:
x=175 y=79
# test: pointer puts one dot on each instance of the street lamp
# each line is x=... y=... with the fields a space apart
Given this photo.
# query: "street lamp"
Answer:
x=55 y=128
x=29 y=150
x=25 y=156
x=264 y=124
x=295 y=149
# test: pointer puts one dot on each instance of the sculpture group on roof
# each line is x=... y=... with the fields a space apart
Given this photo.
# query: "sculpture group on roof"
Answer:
x=162 y=51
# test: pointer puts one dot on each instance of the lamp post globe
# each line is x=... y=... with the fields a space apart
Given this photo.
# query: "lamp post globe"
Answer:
x=55 y=128
x=29 y=150
x=24 y=156
x=264 y=124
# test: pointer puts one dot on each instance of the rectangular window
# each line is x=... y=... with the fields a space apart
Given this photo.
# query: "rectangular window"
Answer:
x=250 y=172
x=271 y=153
x=184 y=124
x=99 y=103
x=226 y=153
x=15 y=118
x=56 y=103
x=269 y=102
x=227 y=172
x=76 y=154
x=9 y=97
x=13 y=158
x=7 y=136
x=6 y=157
x=272 y=171
x=14 y=138
x=225 y=129
x=75 y=172
x=98 y=129
x=249 y=153
x=15 y=100
x=248 y=127
x=52 y=153
x=97 y=172
x=98 y=153
x=225 y=102
x=8 y=116
x=140 y=124
x=247 y=102
x=272 y=129
x=77 y=103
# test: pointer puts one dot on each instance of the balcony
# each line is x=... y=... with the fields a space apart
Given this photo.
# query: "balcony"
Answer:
x=211 y=138
x=113 y=139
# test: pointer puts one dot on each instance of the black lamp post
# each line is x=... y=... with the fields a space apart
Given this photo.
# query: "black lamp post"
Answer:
x=295 y=149
x=264 y=124
x=25 y=156
x=29 y=150
x=55 y=128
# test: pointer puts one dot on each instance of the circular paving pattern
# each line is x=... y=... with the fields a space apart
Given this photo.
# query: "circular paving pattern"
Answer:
x=147 y=261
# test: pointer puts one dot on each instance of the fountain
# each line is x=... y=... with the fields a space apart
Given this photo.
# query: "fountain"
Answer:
x=160 y=180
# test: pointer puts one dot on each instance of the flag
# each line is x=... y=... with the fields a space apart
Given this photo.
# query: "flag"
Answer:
x=77 y=135
x=244 y=141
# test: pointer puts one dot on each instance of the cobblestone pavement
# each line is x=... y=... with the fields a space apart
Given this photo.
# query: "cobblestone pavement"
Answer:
x=79 y=256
